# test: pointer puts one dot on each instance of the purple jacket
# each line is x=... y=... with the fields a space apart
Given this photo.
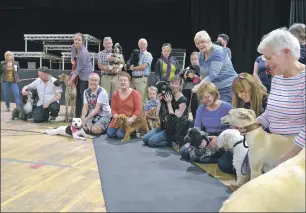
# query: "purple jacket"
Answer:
x=84 y=64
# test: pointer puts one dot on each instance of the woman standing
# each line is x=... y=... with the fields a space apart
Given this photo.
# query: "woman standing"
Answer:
x=166 y=66
x=9 y=76
x=262 y=73
x=82 y=71
x=215 y=66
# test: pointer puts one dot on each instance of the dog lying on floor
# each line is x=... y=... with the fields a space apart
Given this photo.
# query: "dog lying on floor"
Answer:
x=139 y=123
x=264 y=148
x=75 y=130
x=197 y=149
x=232 y=140
x=70 y=97
x=163 y=88
x=153 y=121
x=24 y=111
x=280 y=190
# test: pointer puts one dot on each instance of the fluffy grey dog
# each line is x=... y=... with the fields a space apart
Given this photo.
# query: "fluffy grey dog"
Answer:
x=24 y=111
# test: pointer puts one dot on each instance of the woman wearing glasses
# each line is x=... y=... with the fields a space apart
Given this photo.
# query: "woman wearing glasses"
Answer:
x=215 y=66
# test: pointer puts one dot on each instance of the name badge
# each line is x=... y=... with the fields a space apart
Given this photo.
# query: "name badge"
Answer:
x=15 y=68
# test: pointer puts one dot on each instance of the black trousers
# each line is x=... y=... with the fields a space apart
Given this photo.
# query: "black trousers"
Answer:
x=81 y=87
x=194 y=101
x=41 y=115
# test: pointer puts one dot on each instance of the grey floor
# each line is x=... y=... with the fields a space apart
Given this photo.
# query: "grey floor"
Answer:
x=139 y=178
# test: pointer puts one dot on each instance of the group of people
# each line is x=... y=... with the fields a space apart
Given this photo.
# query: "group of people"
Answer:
x=210 y=84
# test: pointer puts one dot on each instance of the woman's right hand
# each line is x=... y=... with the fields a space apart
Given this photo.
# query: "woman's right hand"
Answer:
x=195 y=88
x=115 y=116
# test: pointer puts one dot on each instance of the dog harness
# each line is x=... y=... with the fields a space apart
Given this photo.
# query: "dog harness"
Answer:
x=245 y=167
x=71 y=129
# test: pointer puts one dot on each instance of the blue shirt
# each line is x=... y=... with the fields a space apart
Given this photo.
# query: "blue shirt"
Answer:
x=144 y=58
x=218 y=67
x=264 y=77
x=150 y=104
x=211 y=120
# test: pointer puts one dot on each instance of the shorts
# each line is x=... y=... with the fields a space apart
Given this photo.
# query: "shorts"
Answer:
x=103 y=121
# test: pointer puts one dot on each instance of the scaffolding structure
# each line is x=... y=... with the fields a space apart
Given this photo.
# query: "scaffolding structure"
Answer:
x=56 y=42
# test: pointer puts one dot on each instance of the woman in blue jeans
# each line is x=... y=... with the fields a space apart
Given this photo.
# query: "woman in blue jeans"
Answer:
x=176 y=104
x=9 y=77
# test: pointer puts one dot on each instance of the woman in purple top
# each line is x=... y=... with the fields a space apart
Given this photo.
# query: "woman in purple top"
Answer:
x=209 y=114
x=84 y=68
x=261 y=72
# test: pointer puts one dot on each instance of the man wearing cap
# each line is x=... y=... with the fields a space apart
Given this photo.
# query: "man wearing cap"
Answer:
x=49 y=95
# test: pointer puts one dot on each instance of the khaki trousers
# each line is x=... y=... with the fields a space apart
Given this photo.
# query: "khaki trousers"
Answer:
x=141 y=85
x=110 y=83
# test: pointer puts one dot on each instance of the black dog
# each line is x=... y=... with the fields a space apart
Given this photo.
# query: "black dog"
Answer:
x=176 y=128
x=195 y=137
x=163 y=88
x=28 y=103
x=133 y=61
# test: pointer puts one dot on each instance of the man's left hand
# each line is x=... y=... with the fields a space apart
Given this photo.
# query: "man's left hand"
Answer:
x=46 y=105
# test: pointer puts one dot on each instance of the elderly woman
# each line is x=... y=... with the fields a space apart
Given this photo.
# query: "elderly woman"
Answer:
x=215 y=66
x=9 y=76
x=166 y=66
x=299 y=31
x=126 y=101
x=176 y=104
x=96 y=113
x=84 y=68
x=286 y=111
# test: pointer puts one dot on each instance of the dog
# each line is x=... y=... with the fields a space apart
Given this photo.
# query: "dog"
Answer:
x=232 y=140
x=264 y=148
x=152 y=123
x=197 y=142
x=114 y=66
x=163 y=88
x=133 y=61
x=24 y=111
x=75 y=130
x=139 y=123
x=280 y=190
x=175 y=128
x=70 y=97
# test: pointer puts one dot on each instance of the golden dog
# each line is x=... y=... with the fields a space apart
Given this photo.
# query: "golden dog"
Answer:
x=152 y=120
x=264 y=148
x=139 y=123
x=280 y=190
x=70 y=96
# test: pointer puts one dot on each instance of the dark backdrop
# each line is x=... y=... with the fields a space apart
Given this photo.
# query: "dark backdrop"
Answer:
x=159 y=21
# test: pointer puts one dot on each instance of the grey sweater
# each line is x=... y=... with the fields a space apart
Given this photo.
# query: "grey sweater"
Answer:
x=84 y=64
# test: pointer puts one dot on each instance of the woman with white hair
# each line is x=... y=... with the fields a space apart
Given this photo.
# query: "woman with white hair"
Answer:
x=215 y=66
x=9 y=77
x=286 y=110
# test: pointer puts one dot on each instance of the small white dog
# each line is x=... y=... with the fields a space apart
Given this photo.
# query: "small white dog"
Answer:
x=232 y=140
x=75 y=130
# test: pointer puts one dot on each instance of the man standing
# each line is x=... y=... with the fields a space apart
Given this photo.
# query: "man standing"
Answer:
x=141 y=72
x=109 y=80
x=224 y=39
x=49 y=95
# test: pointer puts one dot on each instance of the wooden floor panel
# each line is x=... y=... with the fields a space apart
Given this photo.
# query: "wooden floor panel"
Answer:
x=42 y=173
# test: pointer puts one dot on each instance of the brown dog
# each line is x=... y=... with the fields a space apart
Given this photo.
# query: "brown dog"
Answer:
x=70 y=96
x=152 y=120
x=139 y=123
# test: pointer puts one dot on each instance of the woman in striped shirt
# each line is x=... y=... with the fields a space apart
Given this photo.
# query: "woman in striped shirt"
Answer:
x=285 y=112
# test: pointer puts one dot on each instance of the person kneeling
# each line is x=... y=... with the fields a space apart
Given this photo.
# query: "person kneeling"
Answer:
x=49 y=95
x=96 y=112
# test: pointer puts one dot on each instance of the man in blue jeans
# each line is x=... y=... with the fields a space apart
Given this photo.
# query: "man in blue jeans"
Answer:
x=49 y=95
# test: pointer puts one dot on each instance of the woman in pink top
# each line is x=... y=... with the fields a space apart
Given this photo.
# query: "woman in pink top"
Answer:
x=285 y=112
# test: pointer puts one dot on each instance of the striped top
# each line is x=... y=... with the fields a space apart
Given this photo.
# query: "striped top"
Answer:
x=286 y=110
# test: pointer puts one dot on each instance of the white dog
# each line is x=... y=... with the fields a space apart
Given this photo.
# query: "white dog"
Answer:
x=75 y=130
x=232 y=140
x=264 y=148
x=280 y=190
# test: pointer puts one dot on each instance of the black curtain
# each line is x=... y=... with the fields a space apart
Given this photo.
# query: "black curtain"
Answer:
x=159 y=21
x=298 y=11
x=244 y=21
